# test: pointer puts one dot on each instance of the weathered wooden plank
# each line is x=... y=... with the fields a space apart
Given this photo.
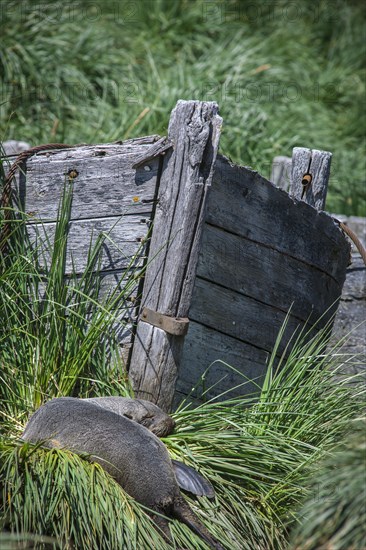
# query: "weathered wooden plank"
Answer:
x=122 y=246
x=281 y=172
x=194 y=130
x=263 y=273
x=105 y=187
x=123 y=329
x=159 y=148
x=315 y=166
x=239 y=316
x=246 y=204
x=121 y=284
x=106 y=184
x=202 y=347
x=121 y=280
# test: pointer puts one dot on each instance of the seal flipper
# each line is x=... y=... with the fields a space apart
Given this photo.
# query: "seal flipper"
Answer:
x=190 y=480
x=183 y=512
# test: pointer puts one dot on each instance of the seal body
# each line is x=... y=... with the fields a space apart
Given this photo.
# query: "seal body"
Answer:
x=139 y=410
x=132 y=454
x=128 y=451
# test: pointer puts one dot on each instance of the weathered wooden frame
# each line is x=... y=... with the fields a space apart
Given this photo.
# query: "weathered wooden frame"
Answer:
x=229 y=253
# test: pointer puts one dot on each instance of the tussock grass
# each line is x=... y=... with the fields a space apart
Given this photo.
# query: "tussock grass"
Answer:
x=334 y=514
x=259 y=451
x=57 y=337
x=58 y=492
x=284 y=74
x=258 y=454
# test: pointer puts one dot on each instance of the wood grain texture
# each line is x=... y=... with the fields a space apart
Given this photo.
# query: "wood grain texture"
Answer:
x=281 y=172
x=350 y=321
x=106 y=184
x=123 y=244
x=225 y=363
x=194 y=130
x=314 y=162
x=264 y=274
x=246 y=204
x=261 y=253
x=110 y=198
x=258 y=251
x=241 y=317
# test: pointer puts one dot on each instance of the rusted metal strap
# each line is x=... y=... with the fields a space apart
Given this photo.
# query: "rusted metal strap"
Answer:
x=352 y=235
x=158 y=148
x=177 y=326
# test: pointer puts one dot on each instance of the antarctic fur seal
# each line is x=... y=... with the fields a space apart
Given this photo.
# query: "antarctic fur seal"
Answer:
x=161 y=424
x=139 y=410
x=128 y=451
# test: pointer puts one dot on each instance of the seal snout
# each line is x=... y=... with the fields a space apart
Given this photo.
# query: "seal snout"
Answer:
x=162 y=426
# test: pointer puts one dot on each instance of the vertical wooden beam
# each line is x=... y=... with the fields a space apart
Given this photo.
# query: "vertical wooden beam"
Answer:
x=310 y=175
x=281 y=172
x=194 y=131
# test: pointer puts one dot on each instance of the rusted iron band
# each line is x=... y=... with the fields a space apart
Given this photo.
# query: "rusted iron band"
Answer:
x=177 y=326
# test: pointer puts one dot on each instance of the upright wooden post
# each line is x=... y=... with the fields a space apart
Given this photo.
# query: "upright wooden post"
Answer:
x=281 y=172
x=310 y=175
x=194 y=131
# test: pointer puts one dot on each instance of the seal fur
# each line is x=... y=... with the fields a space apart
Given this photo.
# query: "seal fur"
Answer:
x=139 y=410
x=128 y=451
x=161 y=424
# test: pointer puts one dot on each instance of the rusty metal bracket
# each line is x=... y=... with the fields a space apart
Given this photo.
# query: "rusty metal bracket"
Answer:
x=177 y=326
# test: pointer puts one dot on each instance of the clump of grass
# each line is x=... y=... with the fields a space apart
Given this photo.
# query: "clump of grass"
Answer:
x=334 y=513
x=257 y=454
x=59 y=493
x=283 y=74
x=260 y=454
x=57 y=336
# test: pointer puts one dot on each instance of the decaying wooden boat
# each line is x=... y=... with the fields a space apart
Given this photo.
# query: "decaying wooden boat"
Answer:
x=228 y=256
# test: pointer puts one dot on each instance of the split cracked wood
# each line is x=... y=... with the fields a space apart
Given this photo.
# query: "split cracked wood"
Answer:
x=310 y=175
x=194 y=130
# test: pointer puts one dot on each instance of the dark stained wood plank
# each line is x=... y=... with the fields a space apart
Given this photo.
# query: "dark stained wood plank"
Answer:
x=262 y=273
x=240 y=317
x=228 y=365
x=246 y=204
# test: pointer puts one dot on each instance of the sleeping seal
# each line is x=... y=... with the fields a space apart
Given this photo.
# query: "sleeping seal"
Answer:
x=129 y=452
x=143 y=412
x=161 y=424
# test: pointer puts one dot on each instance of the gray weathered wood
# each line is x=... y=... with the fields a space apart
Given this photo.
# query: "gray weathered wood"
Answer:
x=106 y=184
x=260 y=250
x=194 y=130
x=350 y=320
x=157 y=149
x=317 y=164
x=109 y=196
x=281 y=172
x=122 y=246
